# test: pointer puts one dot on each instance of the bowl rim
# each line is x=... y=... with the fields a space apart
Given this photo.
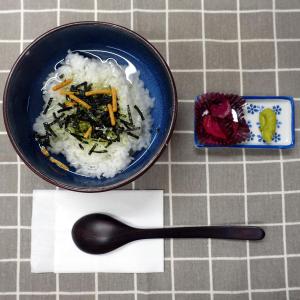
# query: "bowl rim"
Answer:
x=124 y=181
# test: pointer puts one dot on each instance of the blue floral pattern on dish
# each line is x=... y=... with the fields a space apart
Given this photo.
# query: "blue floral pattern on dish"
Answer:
x=278 y=123
x=251 y=137
x=276 y=137
x=252 y=109
x=277 y=109
x=260 y=138
x=252 y=112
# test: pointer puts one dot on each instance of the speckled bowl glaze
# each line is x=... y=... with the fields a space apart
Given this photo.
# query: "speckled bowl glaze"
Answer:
x=23 y=102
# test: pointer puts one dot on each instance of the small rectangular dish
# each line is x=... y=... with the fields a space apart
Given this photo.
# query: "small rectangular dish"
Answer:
x=284 y=136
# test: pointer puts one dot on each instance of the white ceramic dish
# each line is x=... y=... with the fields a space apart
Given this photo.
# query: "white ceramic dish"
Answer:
x=284 y=136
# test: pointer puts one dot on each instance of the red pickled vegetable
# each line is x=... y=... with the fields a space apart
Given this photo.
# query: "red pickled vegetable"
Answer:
x=221 y=109
x=212 y=127
x=220 y=119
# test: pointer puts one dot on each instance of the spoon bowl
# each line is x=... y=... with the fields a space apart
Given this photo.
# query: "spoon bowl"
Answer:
x=100 y=233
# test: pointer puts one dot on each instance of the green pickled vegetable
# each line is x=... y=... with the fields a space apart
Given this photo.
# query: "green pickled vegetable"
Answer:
x=83 y=126
x=267 y=120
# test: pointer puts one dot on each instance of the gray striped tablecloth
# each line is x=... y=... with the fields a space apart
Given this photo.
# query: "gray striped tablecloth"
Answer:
x=243 y=46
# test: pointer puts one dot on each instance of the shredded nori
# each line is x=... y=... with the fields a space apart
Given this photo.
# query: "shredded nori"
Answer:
x=81 y=86
x=97 y=117
x=129 y=115
x=132 y=129
x=93 y=148
x=92 y=116
x=101 y=151
x=78 y=137
x=101 y=100
x=47 y=106
x=64 y=109
x=89 y=87
x=49 y=130
x=69 y=99
x=133 y=135
x=100 y=135
x=67 y=121
x=127 y=124
x=43 y=140
x=57 y=119
x=108 y=144
x=139 y=112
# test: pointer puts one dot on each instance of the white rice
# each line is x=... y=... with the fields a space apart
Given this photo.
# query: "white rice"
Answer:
x=100 y=73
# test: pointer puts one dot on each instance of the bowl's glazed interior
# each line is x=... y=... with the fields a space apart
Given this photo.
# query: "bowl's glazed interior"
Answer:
x=23 y=99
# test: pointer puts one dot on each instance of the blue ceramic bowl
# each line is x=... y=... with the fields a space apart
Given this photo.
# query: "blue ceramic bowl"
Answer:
x=23 y=101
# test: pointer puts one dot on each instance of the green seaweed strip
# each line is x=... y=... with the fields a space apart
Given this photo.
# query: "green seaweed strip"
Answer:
x=56 y=119
x=108 y=144
x=93 y=148
x=64 y=109
x=129 y=115
x=91 y=116
x=43 y=140
x=125 y=123
x=67 y=121
x=48 y=106
x=102 y=151
x=49 y=129
x=133 y=135
x=132 y=129
x=78 y=137
x=139 y=112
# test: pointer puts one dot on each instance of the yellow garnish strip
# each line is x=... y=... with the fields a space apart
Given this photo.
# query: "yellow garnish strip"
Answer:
x=69 y=104
x=58 y=163
x=66 y=93
x=45 y=151
x=79 y=101
x=61 y=84
x=98 y=92
x=111 y=115
x=88 y=133
x=114 y=99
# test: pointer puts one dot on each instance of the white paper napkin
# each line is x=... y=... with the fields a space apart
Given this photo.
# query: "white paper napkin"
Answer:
x=55 y=212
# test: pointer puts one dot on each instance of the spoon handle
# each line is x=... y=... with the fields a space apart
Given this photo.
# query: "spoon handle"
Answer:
x=216 y=232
